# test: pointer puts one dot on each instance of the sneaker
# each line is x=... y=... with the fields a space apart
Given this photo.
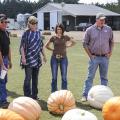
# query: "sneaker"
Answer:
x=83 y=99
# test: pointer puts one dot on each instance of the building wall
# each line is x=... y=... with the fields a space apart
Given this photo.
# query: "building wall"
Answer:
x=40 y=20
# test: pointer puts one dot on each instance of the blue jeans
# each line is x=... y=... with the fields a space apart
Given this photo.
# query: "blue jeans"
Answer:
x=63 y=62
x=102 y=62
x=31 y=73
x=3 y=91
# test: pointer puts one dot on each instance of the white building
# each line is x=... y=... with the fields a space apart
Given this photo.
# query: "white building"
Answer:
x=72 y=14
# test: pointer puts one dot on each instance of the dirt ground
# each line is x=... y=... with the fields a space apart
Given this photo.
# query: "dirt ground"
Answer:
x=77 y=35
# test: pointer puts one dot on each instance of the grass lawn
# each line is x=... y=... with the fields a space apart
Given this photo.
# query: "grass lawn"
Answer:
x=77 y=70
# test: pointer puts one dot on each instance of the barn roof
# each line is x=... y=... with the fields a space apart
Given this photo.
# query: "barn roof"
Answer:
x=77 y=9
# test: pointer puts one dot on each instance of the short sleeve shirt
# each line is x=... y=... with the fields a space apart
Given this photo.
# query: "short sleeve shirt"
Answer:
x=59 y=44
x=4 y=42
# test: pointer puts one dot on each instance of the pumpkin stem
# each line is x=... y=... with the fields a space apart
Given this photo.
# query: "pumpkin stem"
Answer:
x=61 y=107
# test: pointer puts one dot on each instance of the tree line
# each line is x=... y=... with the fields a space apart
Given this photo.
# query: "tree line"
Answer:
x=13 y=7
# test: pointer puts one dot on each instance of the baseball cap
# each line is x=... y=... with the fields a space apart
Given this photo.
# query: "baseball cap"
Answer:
x=32 y=19
x=100 y=16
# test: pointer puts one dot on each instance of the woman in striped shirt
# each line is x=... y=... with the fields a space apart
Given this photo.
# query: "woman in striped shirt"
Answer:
x=31 y=49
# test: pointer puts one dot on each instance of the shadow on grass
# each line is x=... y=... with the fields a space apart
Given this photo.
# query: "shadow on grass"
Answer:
x=13 y=94
x=56 y=115
x=85 y=106
x=43 y=105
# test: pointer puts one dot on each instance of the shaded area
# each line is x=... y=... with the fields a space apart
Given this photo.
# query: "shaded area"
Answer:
x=85 y=106
x=13 y=94
x=43 y=105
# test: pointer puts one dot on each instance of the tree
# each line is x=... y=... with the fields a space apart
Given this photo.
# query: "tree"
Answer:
x=119 y=2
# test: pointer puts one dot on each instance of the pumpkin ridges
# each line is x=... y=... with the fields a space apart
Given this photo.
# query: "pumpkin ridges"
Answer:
x=78 y=114
x=69 y=108
x=62 y=95
x=59 y=101
x=111 y=109
x=6 y=114
x=98 y=95
x=21 y=108
x=27 y=107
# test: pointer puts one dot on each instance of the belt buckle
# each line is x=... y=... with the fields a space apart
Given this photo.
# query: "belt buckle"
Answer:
x=58 y=56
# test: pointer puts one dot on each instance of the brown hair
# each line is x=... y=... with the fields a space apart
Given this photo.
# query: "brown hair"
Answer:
x=60 y=26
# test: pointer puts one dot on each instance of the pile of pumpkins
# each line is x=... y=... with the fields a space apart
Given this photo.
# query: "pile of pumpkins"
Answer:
x=63 y=102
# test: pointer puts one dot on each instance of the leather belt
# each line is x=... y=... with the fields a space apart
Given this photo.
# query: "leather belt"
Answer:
x=103 y=55
x=58 y=56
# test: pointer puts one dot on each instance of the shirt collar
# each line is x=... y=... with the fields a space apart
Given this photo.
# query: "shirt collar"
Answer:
x=99 y=28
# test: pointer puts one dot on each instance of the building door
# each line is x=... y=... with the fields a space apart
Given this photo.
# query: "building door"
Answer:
x=53 y=19
x=47 y=21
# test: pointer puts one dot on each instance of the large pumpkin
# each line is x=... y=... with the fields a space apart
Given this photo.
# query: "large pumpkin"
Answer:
x=78 y=114
x=111 y=109
x=98 y=95
x=6 y=114
x=26 y=107
x=61 y=101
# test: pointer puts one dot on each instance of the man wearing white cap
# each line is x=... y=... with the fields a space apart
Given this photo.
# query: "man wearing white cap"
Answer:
x=98 y=44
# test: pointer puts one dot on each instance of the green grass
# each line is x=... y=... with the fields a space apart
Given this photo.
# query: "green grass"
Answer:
x=77 y=70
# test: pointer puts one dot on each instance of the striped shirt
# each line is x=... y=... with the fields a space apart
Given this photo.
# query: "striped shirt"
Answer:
x=32 y=43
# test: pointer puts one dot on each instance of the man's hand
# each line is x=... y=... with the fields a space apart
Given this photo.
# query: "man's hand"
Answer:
x=109 y=55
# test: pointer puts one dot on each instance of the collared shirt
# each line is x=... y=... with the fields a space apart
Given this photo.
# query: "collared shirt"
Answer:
x=33 y=45
x=98 y=41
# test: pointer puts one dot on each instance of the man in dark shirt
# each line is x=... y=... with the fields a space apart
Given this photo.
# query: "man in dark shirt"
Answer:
x=5 y=59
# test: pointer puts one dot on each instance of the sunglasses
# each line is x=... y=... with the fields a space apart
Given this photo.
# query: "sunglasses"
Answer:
x=33 y=23
x=5 y=22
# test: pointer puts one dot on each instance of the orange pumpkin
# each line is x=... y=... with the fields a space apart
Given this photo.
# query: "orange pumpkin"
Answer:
x=61 y=101
x=6 y=114
x=111 y=109
x=26 y=107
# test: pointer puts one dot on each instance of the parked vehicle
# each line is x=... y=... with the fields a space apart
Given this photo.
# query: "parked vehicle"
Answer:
x=82 y=26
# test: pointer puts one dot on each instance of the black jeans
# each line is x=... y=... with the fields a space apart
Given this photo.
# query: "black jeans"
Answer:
x=31 y=73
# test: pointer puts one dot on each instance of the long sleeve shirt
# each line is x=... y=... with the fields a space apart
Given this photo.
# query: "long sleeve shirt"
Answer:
x=98 y=41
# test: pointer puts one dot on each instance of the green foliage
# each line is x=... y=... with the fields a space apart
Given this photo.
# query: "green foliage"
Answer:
x=115 y=7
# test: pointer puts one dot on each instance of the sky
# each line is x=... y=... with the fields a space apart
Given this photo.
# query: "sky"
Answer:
x=91 y=1
x=99 y=1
